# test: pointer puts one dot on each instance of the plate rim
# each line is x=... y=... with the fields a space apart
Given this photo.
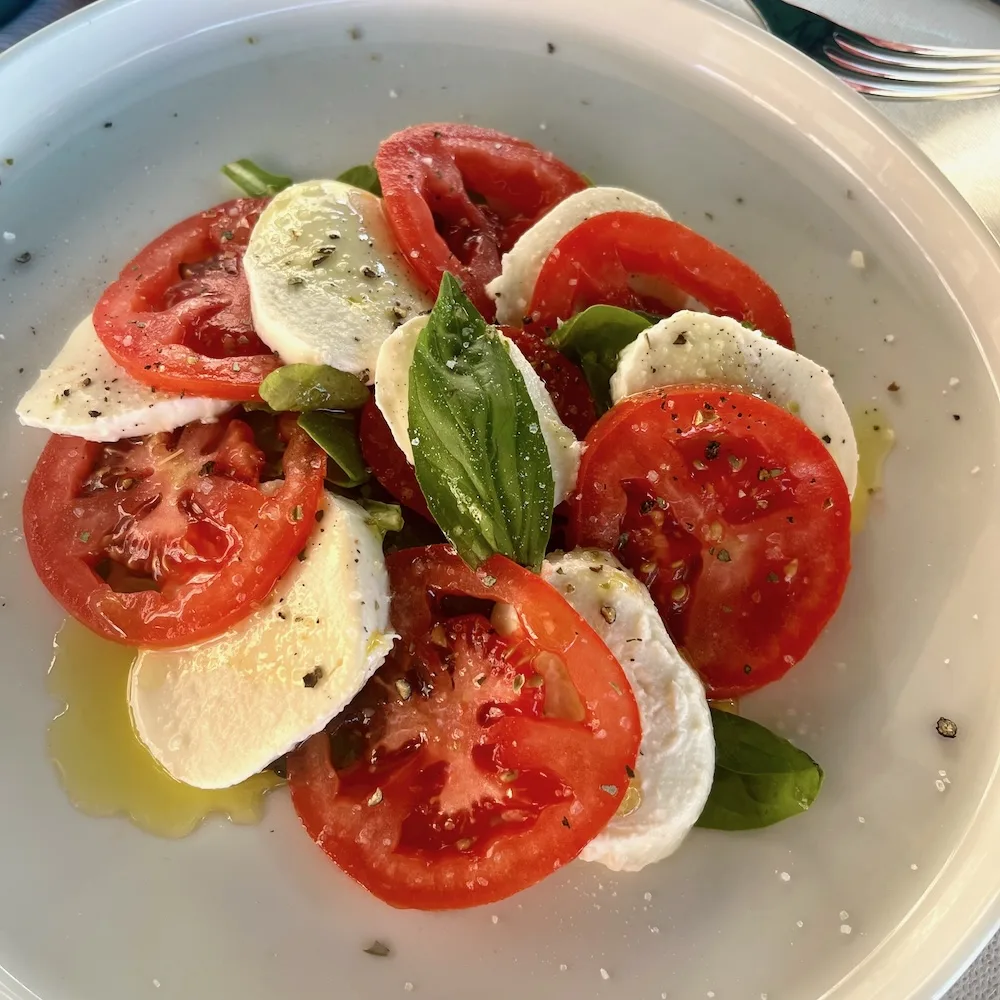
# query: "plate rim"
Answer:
x=922 y=971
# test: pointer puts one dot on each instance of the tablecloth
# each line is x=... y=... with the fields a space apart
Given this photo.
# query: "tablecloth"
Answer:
x=962 y=138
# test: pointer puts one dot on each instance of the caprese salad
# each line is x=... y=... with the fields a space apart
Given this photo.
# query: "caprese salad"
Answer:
x=457 y=488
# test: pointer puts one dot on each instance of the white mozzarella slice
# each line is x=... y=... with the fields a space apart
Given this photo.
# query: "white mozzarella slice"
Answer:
x=676 y=766
x=512 y=290
x=86 y=393
x=327 y=284
x=215 y=713
x=693 y=348
x=392 y=396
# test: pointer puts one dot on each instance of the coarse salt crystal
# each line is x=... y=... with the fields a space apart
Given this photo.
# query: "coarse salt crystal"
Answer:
x=799 y=923
x=845 y=928
x=953 y=381
x=604 y=974
x=9 y=236
x=939 y=785
x=393 y=94
x=844 y=914
x=889 y=338
x=408 y=987
x=785 y=877
x=861 y=819
x=857 y=259
x=563 y=966
x=975 y=470
x=495 y=919
x=647 y=896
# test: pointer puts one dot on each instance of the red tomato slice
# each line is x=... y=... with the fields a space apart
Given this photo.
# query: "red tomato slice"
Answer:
x=565 y=382
x=168 y=539
x=458 y=196
x=471 y=766
x=387 y=462
x=178 y=317
x=638 y=262
x=733 y=514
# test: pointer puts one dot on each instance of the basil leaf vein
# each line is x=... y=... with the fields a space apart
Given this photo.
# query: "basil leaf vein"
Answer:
x=362 y=176
x=593 y=339
x=312 y=387
x=760 y=778
x=337 y=435
x=254 y=180
x=478 y=449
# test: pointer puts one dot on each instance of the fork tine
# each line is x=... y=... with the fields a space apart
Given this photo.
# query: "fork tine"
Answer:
x=945 y=51
x=892 y=90
x=906 y=74
x=859 y=46
x=877 y=67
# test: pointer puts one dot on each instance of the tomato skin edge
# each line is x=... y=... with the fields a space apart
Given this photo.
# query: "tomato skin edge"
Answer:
x=591 y=262
x=596 y=520
x=515 y=861
x=439 y=163
x=76 y=586
x=161 y=364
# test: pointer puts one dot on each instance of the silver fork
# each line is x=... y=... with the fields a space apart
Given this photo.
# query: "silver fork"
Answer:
x=882 y=68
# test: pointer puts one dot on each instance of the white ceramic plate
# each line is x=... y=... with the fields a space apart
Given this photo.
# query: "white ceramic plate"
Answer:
x=742 y=139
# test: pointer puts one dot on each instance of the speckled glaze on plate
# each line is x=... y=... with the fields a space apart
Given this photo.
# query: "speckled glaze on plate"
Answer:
x=117 y=121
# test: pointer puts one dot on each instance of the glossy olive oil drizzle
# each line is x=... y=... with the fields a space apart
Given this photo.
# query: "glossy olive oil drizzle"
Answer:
x=875 y=440
x=104 y=768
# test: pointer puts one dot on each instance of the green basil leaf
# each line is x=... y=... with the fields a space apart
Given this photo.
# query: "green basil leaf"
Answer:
x=760 y=778
x=337 y=435
x=383 y=517
x=479 y=454
x=254 y=180
x=593 y=339
x=363 y=176
x=313 y=387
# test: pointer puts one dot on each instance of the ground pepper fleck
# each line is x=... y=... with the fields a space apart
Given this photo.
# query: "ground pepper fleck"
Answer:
x=946 y=728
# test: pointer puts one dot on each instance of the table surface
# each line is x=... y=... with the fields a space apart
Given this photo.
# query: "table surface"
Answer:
x=962 y=138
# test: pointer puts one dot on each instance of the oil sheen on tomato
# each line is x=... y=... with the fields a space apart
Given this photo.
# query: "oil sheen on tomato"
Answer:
x=875 y=440
x=104 y=768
